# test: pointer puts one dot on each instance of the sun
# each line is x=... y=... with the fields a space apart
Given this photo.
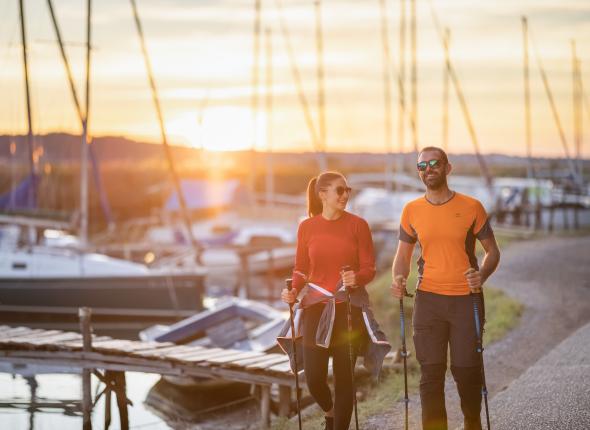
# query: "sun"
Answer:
x=219 y=128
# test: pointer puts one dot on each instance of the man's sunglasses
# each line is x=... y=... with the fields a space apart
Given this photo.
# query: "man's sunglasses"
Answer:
x=340 y=190
x=423 y=165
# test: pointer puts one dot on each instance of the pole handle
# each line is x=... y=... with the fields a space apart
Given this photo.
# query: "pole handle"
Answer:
x=406 y=294
x=346 y=268
x=289 y=286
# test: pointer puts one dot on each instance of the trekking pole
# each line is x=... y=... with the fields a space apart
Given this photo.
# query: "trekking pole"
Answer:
x=289 y=284
x=350 y=352
x=479 y=349
x=402 y=320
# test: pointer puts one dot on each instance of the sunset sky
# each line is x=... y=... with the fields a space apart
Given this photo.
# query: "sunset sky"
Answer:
x=202 y=50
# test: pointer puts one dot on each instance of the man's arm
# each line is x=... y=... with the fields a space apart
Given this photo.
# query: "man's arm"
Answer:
x=491 y=258
x=488 y=265
x=400 y=269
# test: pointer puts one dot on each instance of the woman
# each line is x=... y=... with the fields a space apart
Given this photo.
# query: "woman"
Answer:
x=327 y=241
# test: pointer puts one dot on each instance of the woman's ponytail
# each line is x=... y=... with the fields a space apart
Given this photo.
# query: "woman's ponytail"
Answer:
x=314 y=204
x=315 y=185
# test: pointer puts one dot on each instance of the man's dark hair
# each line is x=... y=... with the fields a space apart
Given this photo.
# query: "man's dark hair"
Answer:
x=443 y=154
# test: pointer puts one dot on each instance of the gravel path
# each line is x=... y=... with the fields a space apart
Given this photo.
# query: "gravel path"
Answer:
x=550 y=277
x=530 y=403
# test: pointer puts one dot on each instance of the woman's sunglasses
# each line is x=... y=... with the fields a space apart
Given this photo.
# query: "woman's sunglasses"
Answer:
x=423 y=165
x=340 y=190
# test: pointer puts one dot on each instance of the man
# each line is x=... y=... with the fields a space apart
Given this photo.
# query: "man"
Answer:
x=445 y=224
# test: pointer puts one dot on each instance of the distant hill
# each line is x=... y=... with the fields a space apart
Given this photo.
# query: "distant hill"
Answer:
x=65 y=148
x=62 y=148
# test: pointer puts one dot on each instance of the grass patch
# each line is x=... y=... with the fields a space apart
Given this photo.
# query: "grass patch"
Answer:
x=502 y=314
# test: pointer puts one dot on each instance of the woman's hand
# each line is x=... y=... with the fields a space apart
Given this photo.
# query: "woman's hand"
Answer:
x=348 y=279
x=398 y=287
x=289 y=296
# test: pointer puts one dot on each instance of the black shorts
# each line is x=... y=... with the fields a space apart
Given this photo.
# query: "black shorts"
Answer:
x=441 y=320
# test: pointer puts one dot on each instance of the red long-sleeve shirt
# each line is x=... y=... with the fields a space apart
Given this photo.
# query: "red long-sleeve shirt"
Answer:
x=324 y=246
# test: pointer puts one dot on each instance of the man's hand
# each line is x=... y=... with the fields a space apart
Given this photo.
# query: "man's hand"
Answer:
x=473 y=279
x=348 y=279
x=398 y=287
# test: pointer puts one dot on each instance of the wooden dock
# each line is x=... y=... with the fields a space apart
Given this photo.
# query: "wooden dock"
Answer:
x=22 y=345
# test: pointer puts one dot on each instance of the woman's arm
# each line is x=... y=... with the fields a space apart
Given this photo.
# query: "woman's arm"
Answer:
x=301 y=270
x=366 y=256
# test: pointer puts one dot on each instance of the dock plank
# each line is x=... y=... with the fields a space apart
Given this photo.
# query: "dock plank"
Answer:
x=13 y=331
x=25 y=333
x=53 y=340
x=54 y=347
x=281 y=368
x=150 y=345
x=249 y=361
x=270 y=361
x=231 y=356
x=160 y=352
x=78 y=344
x=202 y=355
x=28 y=338
x=228 y=359
x=118 y=345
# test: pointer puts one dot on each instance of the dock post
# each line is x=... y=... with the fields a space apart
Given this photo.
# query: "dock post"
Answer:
x=244 y=261
x=284 y=400
x=85 y=316
x=107 y=406
x=271 y=274
x=264 y=406
x=538 y=216
x=120 y=391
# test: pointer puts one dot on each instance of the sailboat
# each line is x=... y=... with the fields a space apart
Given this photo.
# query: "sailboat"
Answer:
x=41 y=284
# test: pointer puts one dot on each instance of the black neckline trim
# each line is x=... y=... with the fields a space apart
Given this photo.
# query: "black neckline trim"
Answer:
x=443 y=203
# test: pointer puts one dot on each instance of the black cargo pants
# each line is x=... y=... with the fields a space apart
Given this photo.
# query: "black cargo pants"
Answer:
x=441 y=323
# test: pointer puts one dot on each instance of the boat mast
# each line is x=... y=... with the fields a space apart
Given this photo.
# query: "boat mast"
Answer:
x=386 y=73
x=85 y=142
x=269 y=135
x=32 y=194
x=577 y=107
x=401 y=112
x=323 y=165
x=83 y=117
x=464 y=108
x=320 y=76
x=556 y=118
x=445 y=100
x=86 y=152
x=254 y=99
x=175 y=179
x=527 y=99
x=414 y=72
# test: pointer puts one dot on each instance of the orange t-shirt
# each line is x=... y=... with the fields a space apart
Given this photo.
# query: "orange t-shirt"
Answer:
x=446 y=234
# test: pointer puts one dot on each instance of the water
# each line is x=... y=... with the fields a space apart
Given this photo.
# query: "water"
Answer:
x=53 y=387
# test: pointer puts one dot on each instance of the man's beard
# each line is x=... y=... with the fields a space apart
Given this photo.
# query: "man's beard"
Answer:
x=439 y=181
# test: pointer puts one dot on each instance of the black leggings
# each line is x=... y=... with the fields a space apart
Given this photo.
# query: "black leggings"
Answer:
x=315 y=361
